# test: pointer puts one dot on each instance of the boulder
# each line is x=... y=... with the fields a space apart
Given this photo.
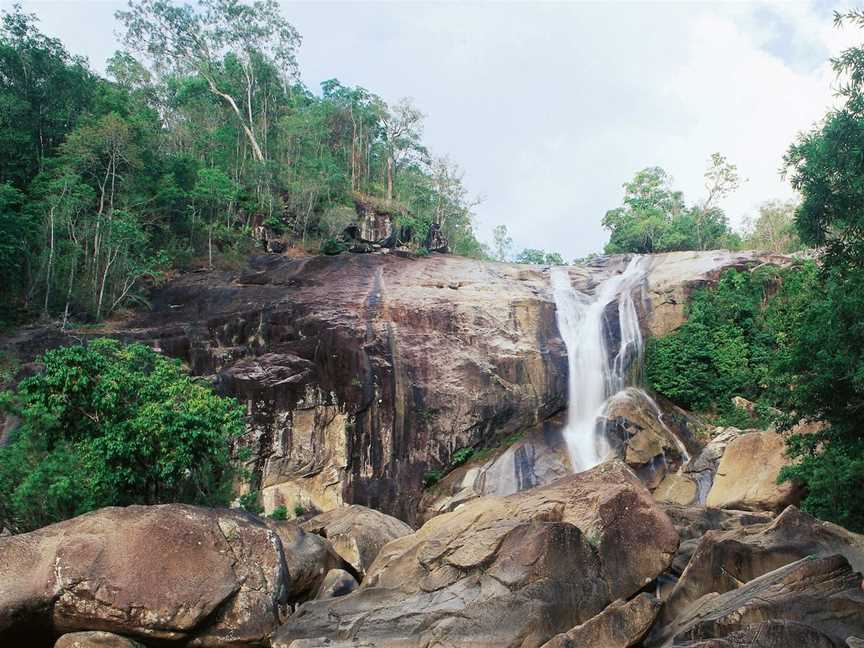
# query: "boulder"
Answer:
x=821 y=593
x=726 y=560
x=769 y=634
x=95 y=639
x=357 y=533
x=159 y=573
x=490 y=573
x=308 y=558
x=621 y=625
x=337 y=582
x=747 y=475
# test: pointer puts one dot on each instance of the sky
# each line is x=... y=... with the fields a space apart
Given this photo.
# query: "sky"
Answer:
x=550 y=107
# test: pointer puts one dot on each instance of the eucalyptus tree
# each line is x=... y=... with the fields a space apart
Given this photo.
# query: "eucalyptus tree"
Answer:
x=206 y=39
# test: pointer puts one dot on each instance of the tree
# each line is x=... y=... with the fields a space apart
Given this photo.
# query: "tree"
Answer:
x=214 y=192
x=774 y=228
x=502 y=243
x=534 y=256
x=180 y=38
x=110 y=424
x=403 y=128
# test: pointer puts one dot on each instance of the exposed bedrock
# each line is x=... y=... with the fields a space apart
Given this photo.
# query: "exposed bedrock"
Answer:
x=364 y=373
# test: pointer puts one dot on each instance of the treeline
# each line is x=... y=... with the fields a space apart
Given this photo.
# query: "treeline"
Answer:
x=654 y=216
x=201 y=136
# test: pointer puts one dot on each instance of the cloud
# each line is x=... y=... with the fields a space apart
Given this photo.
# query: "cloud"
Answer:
x=550 y=108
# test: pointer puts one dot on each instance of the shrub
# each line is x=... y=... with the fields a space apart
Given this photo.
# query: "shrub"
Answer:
x=251 y=502
x=109 y=424
x=331 y=246
x=462 y=455
x=279 y=513
x=432 y=477
x=299 y=510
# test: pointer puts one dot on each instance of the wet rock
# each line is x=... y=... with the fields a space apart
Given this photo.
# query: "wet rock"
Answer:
x=621 y=625
x=489 y=573
x=95 y=639
x=746 y=478
x=821 y=593
x=337 y=582
x=357 y=533
x=160 y=573
x=726 y=560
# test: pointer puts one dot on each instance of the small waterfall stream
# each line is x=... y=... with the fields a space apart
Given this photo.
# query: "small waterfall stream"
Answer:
x=596 y=373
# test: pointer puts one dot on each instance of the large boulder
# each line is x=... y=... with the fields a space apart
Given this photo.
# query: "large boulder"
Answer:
x=308 y=558
x=824 y=594
x=726 y=560
x=161 y=573
x=621 y=625
x=747 y=475
x=357 y=533
x=95 y=639
x=503 y=571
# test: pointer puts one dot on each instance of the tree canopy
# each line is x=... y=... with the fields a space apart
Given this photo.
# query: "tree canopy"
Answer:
x=109 y=424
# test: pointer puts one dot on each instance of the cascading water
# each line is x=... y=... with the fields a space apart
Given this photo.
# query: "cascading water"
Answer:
x=595 y=374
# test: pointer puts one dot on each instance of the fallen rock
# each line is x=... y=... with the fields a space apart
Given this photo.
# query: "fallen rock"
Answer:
x=357 y=533
x=822 y=593
x=95 y=639
x=490 y=573
x=620 y=625
x=746 y=478
x=158 y=573
x=726 y=560
x=337 y=582
x=308 y=557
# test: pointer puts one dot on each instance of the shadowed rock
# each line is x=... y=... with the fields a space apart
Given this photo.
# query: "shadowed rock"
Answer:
x=95 y=639
x=822 y=593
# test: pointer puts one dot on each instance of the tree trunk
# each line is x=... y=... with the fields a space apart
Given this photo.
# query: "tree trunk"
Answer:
x=389 y=177
x=257 y=153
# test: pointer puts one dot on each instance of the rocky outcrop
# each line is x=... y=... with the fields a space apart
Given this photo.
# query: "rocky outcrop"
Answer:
x=363 y=373
x=815 y=600
x=621 y=625
x=357 y=533
x=308 y=559
x=170 y=573
x=726 y=560
x=490 y=573
x=747 y=475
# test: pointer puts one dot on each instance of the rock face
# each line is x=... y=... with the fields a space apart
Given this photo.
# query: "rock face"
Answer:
x=337 y=582
x=746 y=478
x=725 y=560
x=162 y=573
x=490 y=573
x=621 y=625
x=815 y=600
x=363 y=373
x=357 y=533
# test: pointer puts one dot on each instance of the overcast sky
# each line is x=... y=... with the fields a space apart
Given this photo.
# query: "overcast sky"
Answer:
x=549 y=108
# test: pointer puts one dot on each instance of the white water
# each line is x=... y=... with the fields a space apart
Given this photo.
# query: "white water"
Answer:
x=595 y=372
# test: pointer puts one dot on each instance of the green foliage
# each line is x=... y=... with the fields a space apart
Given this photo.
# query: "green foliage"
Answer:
x=654 y=217
x=432 y=477
x=331 y=246
x=110 y=424
x=461 y=456
x=251 y=502
x=299 y=510
x=736 y=342
x=534 y=256
x=201 y=131
x=279 y=513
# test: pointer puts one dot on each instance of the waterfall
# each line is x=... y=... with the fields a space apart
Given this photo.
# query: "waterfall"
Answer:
x=596 y=373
